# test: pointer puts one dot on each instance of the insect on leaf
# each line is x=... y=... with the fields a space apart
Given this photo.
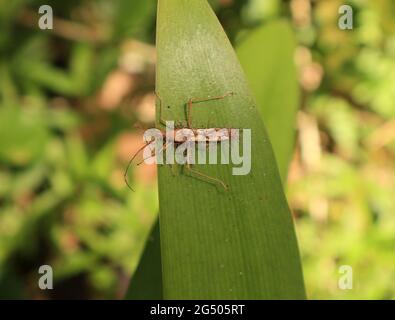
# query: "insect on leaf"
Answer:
x=271 y=73
x=217 y=244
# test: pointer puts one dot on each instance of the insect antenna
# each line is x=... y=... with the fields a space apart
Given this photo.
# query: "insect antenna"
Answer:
x=125 y=175
x=153 y=155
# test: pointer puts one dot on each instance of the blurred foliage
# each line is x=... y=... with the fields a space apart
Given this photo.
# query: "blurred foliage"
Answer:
x=271 y=72
x=342 y=182
x=64 y=145
x=69 y=102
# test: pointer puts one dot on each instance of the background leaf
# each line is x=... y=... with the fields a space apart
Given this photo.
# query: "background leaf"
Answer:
x=146 y=282
x=133 y=18
x=272 y=76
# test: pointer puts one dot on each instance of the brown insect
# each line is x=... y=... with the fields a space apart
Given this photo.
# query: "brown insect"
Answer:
x=203 y=135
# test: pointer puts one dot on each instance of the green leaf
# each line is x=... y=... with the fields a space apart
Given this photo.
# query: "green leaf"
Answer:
x=275 y=61
x=267 y=57
x=23 y=135
x=277 y=71
x=78 y=158
x=74 y=82
x=235 y=244
x=146 y=283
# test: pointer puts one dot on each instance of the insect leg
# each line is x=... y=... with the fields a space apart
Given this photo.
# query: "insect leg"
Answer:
x=215 y=180
x=191 y=101
x=162 y=150
x=161 y=120
x=173 y=169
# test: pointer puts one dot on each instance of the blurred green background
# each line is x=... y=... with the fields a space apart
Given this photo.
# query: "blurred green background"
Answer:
x=73 y=104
